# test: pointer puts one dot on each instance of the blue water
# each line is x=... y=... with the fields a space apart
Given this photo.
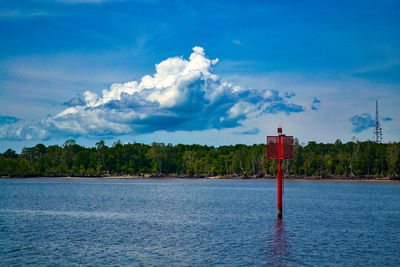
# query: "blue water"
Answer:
x=197 y=222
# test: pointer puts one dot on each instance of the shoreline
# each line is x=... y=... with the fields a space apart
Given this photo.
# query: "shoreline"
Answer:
x=298 y=178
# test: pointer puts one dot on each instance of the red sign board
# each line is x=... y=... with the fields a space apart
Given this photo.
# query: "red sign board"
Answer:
x=279 y=147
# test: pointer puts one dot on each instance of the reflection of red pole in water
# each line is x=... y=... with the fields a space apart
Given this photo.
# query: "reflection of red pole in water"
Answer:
x=278 y=245
x=280 y=147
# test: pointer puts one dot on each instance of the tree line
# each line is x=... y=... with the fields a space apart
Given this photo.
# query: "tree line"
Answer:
x=352 y=159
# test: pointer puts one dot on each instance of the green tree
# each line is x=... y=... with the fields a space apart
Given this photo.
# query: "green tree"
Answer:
x=392 y=156
x=101 y=157
x=157 y=156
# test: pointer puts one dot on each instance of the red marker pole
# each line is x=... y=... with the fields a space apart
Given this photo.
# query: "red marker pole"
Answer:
x=279 y=176
x=280 y=147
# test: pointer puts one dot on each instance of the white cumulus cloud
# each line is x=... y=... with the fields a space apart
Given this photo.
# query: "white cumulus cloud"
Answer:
x=181 y=95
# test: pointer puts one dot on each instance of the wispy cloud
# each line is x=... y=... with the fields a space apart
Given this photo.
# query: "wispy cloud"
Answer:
x=393 y=62
x=362 y=122
x=181 y=95
x=287 y=108
x=21 y=14
x=8 y=120
x=289 y=95
x=251 y=131
x=237 y=42
x=22 y=130
x=316 y=104
x=387 y=119
x=12 y=10
x=76 y=101
x=87 y=1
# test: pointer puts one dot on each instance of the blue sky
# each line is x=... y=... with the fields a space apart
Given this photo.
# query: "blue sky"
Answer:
x=313 y=67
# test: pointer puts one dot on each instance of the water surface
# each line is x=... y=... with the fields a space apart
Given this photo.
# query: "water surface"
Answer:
x=197 y=222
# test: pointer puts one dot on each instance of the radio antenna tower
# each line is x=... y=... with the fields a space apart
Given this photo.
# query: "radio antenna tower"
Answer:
x=378 y=128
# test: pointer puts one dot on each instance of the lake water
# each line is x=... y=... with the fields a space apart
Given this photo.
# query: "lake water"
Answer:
x=197 y=222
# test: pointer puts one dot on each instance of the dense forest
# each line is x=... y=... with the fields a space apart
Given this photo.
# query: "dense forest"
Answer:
x=352 y=159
